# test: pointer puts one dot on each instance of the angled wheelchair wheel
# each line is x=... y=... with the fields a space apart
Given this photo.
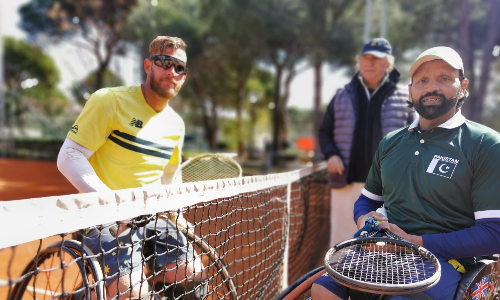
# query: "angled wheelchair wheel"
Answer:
x=301 y=288
x=61 y=272
x=480 y=281
x=220 y=281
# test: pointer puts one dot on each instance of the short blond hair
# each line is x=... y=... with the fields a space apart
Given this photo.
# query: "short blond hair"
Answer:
x=161 y=43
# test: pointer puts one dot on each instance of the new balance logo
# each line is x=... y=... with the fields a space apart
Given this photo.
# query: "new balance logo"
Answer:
x=442 y=166
x=74 y=129
x=136 y=123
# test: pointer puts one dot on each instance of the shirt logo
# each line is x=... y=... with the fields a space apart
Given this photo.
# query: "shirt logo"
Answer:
x=136 y=123
x=74 y=129
x=442 y=166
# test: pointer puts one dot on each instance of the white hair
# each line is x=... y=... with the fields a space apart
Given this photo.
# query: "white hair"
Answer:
x=390 y=60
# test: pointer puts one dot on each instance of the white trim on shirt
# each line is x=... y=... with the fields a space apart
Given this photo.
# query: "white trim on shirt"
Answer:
x=486 y=214
x=457 y=120
x=371 y=195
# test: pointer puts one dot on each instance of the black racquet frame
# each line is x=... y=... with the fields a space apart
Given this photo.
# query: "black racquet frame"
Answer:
x=383 y=265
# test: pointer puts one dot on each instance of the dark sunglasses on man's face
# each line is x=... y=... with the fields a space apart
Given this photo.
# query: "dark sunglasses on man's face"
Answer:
x=166 y=62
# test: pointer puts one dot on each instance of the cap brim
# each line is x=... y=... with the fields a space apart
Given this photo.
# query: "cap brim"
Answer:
x=375 y=53
x=427 y=58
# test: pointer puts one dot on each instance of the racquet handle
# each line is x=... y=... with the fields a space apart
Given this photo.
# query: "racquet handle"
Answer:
x=373 y=223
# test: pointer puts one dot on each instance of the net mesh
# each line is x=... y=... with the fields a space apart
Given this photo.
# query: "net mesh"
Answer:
x=244 y=238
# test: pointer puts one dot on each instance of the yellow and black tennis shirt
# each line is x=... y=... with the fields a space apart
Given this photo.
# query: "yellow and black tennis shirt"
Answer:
x=132 y=142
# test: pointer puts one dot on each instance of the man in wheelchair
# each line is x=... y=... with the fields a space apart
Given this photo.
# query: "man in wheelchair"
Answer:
x=438 y=178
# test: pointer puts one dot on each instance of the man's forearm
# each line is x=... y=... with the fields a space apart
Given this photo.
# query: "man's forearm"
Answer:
x=364 y=205
x=74 y=165
x=481 y=239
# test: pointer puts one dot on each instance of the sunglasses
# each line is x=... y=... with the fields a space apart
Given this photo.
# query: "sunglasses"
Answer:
x=166 y=62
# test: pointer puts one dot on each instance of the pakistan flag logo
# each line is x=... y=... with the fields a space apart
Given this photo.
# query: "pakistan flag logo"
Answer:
x=442 y=166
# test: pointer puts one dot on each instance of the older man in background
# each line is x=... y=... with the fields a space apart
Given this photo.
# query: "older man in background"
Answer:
x=357 y=118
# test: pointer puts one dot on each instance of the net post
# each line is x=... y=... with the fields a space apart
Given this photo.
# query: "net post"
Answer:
x=284 y=278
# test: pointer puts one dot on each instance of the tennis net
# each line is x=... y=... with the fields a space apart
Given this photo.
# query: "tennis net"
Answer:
x=250 y=236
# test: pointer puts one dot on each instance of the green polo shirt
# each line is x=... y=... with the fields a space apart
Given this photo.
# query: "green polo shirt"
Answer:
x=437 y=181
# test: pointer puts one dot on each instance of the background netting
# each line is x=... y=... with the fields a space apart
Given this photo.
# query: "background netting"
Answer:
x=253 y=235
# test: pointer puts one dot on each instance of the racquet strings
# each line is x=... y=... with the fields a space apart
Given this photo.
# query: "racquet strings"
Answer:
x=382 y=262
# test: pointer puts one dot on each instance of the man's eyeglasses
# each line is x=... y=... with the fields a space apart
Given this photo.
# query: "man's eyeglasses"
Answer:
x=166 y=62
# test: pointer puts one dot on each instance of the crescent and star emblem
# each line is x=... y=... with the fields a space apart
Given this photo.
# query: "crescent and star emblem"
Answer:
x=441 y=168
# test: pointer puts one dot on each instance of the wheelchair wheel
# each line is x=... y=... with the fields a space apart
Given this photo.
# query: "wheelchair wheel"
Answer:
x=220 y=282
x=61 y=272
x=301 y=288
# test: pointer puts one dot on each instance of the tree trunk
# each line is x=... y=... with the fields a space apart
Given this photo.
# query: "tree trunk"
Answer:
x=243 y=74
x=213 y=127
x=99 y=77
x=276 y=113
x=466 y=53
x=317 y=116
x=208 y=113
x=239 y=133
x=291 y=72
x=210 y=123
x=491 y=37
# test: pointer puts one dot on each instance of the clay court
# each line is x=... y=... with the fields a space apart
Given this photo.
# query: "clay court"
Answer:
x=23 y=179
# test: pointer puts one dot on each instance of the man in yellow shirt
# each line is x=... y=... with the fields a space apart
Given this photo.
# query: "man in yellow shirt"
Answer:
x=128 y=137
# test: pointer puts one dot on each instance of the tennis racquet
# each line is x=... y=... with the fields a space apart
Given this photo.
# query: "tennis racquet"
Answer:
x=381 y=262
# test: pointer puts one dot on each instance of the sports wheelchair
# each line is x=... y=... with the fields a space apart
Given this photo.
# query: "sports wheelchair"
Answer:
x=471 y=280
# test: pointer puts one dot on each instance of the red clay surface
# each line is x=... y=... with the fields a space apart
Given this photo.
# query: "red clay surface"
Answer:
x=23 y=179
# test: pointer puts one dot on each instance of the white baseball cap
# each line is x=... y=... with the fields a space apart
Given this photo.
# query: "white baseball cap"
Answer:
x=445 y=53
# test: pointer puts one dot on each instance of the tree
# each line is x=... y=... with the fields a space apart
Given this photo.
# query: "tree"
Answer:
x=31 y=77
x=325 y=27
x=95 y=25
x=282 y=49
x=82 y=90
x=189 y=20
x=260 y=92
x=222 y=50
x=471 y=27
x=234 y=24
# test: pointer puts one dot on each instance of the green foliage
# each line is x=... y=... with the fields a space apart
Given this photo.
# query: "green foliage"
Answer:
x=229 y=42
x=23 y=60
x=26 y=61
x=95 y=26
x=300 y=121
x=51 y=101
x=44 y=16
x=331 y=30
x=180 y=18
x=64 y=18
x=86 y=86
x=239 y=49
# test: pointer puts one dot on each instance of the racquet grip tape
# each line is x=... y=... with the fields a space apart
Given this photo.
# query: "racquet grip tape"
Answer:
x=458 y=266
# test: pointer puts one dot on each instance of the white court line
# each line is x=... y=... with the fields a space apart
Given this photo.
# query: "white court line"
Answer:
x=31 y=289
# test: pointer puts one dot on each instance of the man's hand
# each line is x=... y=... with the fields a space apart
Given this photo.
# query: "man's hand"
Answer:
x=416 y=239
x=377 y=216
x=335 y=165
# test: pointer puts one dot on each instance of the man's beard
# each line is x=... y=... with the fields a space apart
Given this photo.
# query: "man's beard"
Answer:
x=432 y=112
x=169 y=93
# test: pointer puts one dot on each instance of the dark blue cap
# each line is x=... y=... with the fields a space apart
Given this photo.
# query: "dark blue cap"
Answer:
x=379 y=47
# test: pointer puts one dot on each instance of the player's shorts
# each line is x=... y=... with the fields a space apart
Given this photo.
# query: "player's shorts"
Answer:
x=135 y=247
x=444 y=289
